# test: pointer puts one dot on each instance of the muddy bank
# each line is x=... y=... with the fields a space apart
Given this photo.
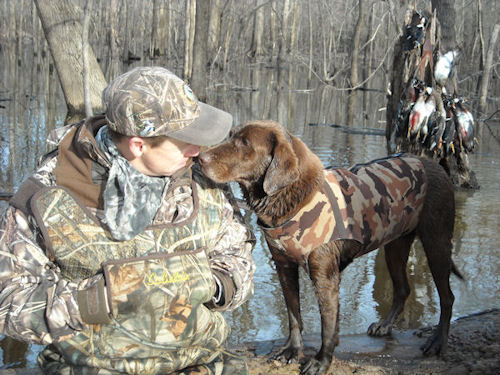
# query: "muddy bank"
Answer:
x=473 y=348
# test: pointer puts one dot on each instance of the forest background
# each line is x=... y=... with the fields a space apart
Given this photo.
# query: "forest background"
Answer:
x=347 y=45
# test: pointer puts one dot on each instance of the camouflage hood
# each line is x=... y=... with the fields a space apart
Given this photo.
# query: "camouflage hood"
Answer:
x=339 y=210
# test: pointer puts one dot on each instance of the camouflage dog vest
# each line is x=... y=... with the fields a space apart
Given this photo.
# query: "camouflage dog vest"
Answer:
x=371 y=203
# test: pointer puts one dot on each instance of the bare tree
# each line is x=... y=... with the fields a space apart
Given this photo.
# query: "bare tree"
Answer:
x=113 y=63
x=294 y=28
x=257 y=46
x=85 y=58
x=485 y=77
x=214 y=31
x=482 y=47
x=159 y=27
x=229 y=34
x=200 y=53
x=189 y=42
x=446 y=16
x=60 y=24
x=354 y=61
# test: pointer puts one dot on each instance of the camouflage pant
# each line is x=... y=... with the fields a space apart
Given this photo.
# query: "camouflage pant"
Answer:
x=227 y=365
x=52 y=363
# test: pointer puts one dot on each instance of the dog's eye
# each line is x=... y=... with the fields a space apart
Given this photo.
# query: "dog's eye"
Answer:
x=245 y=141
x=242 y=142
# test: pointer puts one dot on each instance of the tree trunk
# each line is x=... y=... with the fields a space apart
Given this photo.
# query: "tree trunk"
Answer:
x=295 y=28
x=354 y=62
x=483 y=87
x=229 y=33
x=310 y=29
x=482 y=48
x=283 y=45
x=60 y=25
x=113 y=65
x=447 y=18
x=124 y=15
x=189 y=31
x=85 y=58
x=159 y=39
x=214 y=29
x=257 y=48
x=273 y=32
x=200 y=53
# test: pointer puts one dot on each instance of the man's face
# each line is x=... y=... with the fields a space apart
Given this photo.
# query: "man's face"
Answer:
x=168 y=157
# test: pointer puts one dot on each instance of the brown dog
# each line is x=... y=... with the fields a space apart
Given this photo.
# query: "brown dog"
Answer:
x=323 y=219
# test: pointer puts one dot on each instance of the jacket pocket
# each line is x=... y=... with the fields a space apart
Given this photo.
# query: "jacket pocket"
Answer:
x=157 y=305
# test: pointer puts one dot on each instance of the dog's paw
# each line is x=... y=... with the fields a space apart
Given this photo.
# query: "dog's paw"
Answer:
x=288 y=354
x=434 y=345
x=315 y=367
x=379 y=329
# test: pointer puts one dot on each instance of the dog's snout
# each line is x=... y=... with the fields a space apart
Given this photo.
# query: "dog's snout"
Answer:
x=204 y=158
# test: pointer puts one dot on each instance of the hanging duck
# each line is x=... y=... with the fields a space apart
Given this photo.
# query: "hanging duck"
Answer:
x=436 y=127
x=465 y=125
x=444 y=68
x=419 y=115
x=415 y=32
x=449 y=134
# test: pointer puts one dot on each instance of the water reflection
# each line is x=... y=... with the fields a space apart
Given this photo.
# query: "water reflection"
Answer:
x=14 y=352
x=366 y=290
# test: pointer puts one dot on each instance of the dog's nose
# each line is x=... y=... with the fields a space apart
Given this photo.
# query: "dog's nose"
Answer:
x=204 y=158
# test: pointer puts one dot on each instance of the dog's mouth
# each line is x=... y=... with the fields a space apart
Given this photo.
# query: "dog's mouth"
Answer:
x=211 y=169
x=205 y=160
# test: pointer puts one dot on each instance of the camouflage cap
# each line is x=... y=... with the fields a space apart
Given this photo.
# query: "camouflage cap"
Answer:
x=152 y=101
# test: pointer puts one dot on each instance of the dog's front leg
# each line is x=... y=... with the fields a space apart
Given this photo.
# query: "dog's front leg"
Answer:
x=325 y=275
x=288 y=273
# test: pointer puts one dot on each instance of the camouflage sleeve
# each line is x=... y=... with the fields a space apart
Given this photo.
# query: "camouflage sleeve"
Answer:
x=231 y=259
x=36 y=305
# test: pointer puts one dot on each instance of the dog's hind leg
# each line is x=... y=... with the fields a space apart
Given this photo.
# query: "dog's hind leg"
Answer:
x=435 y=230
x=288 y=274
x=396 y=258
x=325 y=275
x=438 y=253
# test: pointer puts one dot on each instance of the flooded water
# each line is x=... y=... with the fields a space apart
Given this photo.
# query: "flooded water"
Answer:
x=366 y=289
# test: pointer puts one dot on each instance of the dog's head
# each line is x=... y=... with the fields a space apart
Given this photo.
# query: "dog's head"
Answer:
x=259 y=152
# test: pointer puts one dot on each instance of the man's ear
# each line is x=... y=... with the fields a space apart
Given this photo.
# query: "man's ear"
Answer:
x=136 y=146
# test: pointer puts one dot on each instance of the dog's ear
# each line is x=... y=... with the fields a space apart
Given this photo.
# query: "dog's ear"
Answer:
x=283 y=169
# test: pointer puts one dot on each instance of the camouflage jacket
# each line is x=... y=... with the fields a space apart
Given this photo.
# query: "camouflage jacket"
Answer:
x=371 y=203
x=37 y=302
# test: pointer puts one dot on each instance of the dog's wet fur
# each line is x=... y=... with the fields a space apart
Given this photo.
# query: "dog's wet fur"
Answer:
x=278 y=174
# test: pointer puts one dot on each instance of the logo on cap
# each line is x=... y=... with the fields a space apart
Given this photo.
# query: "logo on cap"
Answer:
x=147 y=128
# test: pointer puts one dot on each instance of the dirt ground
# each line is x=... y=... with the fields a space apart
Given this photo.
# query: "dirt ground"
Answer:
x=473 y=348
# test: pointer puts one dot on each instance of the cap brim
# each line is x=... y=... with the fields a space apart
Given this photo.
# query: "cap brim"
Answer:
x=210 y=128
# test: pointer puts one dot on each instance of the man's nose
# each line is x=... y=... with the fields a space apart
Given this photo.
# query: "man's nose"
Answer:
x=191 y=151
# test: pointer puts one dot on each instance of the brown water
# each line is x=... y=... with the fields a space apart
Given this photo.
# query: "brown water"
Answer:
x=366 y=288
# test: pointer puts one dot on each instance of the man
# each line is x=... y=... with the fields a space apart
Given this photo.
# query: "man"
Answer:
x=117 y=253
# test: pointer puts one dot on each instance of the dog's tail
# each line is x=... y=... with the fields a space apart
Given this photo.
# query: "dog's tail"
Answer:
x=456 y=272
